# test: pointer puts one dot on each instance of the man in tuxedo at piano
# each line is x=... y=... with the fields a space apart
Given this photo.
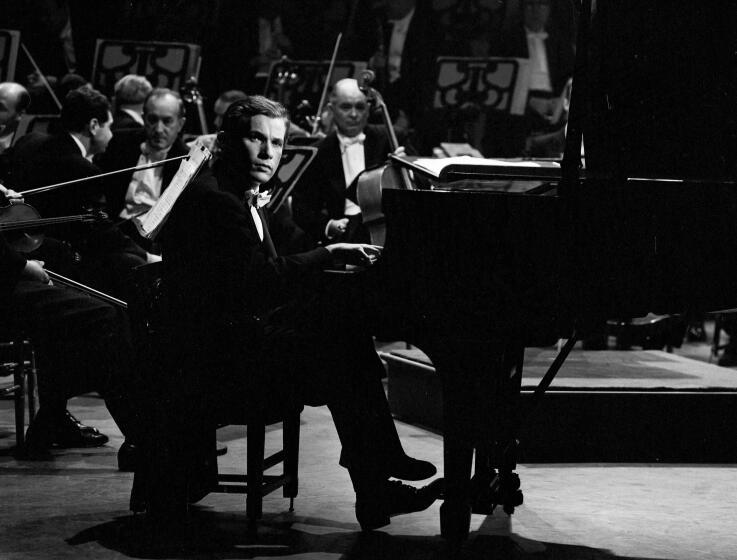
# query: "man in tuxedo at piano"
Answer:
x=324 y=201
x=81 y=346
x=99 y=254
x=251 y=328
x=134 y=193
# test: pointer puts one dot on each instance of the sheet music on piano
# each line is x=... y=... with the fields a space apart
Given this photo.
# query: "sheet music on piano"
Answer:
x=150 y=223
x=484 y=174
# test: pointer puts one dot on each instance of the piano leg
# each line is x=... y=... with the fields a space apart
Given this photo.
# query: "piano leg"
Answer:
x=481 y=381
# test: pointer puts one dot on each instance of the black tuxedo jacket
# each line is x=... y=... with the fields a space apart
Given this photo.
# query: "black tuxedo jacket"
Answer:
x=321 y=192
x=123 y=121
x=11 y=266
x=219 y=278
x=123 y=152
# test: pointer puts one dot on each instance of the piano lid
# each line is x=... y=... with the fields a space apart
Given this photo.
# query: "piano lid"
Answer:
x=662 y=89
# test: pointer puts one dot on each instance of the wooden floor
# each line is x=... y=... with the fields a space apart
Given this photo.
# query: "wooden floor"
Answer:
x=76 y=507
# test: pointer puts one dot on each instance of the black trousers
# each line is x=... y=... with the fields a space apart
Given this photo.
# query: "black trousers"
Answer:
x=81 y=344
x=309 y=354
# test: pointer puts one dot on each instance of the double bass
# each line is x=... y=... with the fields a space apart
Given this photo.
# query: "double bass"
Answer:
x=372 y=182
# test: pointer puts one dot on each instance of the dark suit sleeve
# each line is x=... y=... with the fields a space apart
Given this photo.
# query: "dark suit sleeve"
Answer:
x=11 y=267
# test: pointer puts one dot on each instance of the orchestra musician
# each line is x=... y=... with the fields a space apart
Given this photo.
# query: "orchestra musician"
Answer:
x=324 y=202
x=81 y=345
x=130 y=92
x=248 y=328
x=101 y=254
x=14 y=100
x=134 y=193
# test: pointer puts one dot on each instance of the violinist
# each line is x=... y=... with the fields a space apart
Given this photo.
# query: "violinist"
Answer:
x=80 y=347
x=248 y=327
x=324 y=202
x=100 y=254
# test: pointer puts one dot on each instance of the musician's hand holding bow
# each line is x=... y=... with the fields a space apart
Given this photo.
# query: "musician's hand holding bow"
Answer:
x=12 y=196
x=359 y=254
x=34 y=270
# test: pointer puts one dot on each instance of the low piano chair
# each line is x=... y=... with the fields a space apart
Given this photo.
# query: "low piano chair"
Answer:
x=17 y=358
x=145 y=311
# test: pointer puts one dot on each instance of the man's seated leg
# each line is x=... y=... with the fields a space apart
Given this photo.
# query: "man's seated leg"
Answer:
x=73 y=335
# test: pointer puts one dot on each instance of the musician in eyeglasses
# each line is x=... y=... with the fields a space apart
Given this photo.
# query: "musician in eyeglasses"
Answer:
x=251 y=329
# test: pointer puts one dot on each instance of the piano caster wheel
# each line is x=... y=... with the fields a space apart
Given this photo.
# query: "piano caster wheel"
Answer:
x=496 y=489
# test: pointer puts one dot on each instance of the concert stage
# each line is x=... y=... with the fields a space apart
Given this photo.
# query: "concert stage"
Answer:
x=603 y=406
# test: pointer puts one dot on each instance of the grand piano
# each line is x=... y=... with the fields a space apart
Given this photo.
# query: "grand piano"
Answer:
x=473 y=273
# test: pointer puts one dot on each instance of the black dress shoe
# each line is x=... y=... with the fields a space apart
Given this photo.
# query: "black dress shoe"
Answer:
x=64 y=431
x=70 y=432
x=374 y=509
x=409 y=468
x=127 y=457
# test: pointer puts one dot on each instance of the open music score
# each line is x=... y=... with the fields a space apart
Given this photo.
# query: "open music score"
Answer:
x=150 y=223
x=467 y=167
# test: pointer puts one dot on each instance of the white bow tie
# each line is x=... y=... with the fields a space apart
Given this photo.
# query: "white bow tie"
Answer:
x=539 y=35
x=346 y=141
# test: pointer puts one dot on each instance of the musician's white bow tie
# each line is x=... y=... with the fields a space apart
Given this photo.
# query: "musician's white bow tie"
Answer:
x=346 y=141
x=539 y=35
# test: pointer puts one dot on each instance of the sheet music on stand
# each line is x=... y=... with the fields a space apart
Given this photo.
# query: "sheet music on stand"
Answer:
x=150 y=223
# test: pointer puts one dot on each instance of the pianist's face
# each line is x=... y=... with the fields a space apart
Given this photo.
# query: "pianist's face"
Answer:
x=264 y=144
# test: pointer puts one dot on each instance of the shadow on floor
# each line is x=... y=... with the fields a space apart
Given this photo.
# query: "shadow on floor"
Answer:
x=223 y=536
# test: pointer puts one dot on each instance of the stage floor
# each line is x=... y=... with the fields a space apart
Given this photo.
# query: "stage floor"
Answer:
x=76 y=507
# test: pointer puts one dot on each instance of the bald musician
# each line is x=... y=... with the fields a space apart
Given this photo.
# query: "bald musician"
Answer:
x=324 y=201
x=251 y=328
x=14 y=100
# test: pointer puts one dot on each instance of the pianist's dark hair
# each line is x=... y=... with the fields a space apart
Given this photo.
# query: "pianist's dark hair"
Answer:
x=237 y=119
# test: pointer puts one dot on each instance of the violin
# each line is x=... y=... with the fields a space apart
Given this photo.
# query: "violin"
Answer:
x=21 y=218
x=372 y=181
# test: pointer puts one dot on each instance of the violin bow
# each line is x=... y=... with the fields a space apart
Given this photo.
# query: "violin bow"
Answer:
x=47 y=188
x=326 y=85
x=64 y=281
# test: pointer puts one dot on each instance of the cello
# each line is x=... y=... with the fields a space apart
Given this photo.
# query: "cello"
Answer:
x=372 y=181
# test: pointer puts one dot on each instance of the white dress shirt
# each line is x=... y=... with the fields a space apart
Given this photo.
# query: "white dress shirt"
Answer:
x=145 y=186
x=539 y=71
x=354 y=161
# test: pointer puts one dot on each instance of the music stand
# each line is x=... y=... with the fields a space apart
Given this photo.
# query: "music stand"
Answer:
x=291 y=81
x=166 y=65
x=495 y=83
x=294 y=161
x=9 y=44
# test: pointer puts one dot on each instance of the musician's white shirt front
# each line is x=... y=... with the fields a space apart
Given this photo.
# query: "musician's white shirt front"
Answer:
x=539 y=70
x=145 y=187
x=354 y=161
